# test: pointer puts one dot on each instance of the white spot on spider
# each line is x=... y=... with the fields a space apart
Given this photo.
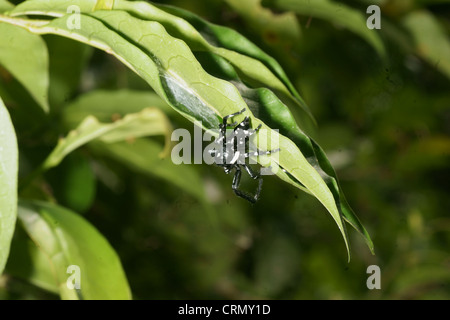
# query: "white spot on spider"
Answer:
x=235 y=158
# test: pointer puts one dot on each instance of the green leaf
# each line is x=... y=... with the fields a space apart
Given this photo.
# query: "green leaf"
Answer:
x=55 y=8
x=25 y=56
x=29 y=263
x=267 y=107
x=140 y=155
x=107 y=105
x=176 y=75
x=431 y=41
x=66 y=239
x=149 y=121
x=5 y=6
x=8 y=183
x=104 y=5
x=256 y=66
x=335 y=12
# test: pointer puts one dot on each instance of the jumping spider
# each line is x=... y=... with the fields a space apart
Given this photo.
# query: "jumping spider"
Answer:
x=232 y=151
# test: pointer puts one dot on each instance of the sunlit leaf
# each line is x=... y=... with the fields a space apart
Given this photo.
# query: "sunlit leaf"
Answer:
x=25 y=56
x=110 y=105
x=5 y=5
x=148 y=122
x=28 y=262
x=66 y=239
x=176 y=75
x=266 y=106
x=140 y=155
x=8 y=183
x=256 y=66
x=104 y=5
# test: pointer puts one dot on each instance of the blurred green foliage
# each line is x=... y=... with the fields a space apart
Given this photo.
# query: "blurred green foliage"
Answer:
x=383 y=122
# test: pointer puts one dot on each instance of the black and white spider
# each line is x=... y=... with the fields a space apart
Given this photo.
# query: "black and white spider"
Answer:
x=233 y=149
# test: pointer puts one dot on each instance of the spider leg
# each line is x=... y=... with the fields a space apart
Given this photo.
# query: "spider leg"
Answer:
x=223 y=137
x=255 y=176
x=225 y=119
x=244 y=124
x=252 y=132
x=258 y=191
x=260 y=153
x=244 y=195
x=250 y=172
x=237 y=178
